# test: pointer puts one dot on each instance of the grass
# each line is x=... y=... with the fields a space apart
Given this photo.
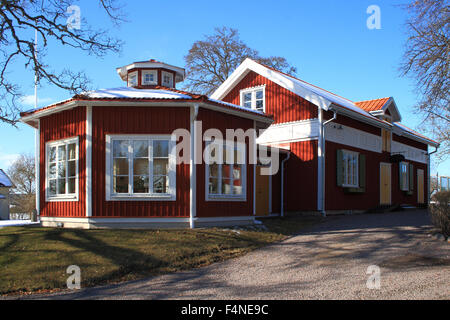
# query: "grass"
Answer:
x=35 y=259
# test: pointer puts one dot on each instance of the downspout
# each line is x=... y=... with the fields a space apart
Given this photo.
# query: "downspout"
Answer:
x=323 y=158
x=282 y=183
x=193 y=170
x=37 y=141
x=429 y=173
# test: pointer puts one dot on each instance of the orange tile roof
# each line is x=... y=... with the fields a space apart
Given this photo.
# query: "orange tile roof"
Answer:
x=372 y=105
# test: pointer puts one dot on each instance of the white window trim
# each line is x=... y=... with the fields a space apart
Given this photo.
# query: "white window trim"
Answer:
x=111 y=196
x=345 y=176
x=135 y=73
x=406 y=186
x=62 y=197
x=253 y=90
x=155 y=74
x=228 y=197
x=163 y=73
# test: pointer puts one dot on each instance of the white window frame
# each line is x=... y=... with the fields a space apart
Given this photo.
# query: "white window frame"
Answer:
x=66 y=196
x=404 y=186
x=220 y=196
x=155 y=77
x=253 y=91
x=345 y=176
x=112 y=196
x=131 y=74
x=163 y=73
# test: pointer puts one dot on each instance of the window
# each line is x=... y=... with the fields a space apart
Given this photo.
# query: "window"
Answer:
x=149 y=77
x=406 y=171
x=350 y=168
x=254 y=98
x=386 y=138
x=140 y=167
x=225 y=171
x=167 y=79
x=132 y=79
x=62 y=170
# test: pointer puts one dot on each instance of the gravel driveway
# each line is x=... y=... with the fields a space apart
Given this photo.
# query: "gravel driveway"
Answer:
x=327 y=261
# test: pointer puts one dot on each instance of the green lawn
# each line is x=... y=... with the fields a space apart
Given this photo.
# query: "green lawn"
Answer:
x=34 y=259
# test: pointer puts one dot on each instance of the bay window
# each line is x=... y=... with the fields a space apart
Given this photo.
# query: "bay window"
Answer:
x=62 y=170
x=225 y=171
x=140 y=167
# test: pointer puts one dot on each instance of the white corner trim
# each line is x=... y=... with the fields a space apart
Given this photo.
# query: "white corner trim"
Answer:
x=88 y=161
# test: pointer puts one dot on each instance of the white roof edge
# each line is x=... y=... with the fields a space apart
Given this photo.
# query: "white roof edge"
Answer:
x=408 y=133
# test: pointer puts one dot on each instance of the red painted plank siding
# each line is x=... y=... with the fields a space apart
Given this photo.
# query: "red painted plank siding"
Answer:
x=301 y=177
x=410 y=142
x=136 y=120
x=337 y=199
x=347 y=121
x=284 y=105
x=222 y=121
x=65 y=124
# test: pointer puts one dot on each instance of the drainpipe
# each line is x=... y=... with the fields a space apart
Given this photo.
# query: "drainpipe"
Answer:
x=429 y=173
x=322 y=163
x=282 y=183
x=193 y=170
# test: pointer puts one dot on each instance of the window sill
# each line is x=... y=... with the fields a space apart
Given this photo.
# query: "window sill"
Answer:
x=61 y=199
x=225 y=198
x=166 y=197
x=354 y=190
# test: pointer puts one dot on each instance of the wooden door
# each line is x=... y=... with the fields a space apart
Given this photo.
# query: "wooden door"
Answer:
x=385 y=183
x=420 y=189
x=262 y=193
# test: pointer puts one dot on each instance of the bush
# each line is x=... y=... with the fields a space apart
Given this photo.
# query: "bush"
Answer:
x=440 y=211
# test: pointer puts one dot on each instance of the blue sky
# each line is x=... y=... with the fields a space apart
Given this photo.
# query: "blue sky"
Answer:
x=327 y=40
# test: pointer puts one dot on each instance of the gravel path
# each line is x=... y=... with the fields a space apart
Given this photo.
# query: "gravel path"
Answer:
x=327 y=261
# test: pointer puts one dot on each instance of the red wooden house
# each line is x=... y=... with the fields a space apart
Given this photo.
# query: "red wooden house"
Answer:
x=344 y=156
x=108 y=158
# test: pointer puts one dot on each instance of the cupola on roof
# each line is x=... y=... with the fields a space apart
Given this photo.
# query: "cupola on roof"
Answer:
x=142 y=74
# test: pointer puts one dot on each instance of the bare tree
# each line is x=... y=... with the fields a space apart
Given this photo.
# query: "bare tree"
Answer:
x=210 y=61
x=19 y=19
x=426 y=60
x=22 y=174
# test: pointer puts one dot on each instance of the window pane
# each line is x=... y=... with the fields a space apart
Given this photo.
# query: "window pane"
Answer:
x=72 y=168
x=72 y=151
x=214 y=170
x=61 y=153
x=226 y=171
x=226 y=186
x=120 y=184
x=120 y=148
x=237 y=172
x=61 y=169
x=61 y=186
x=160 y=166
x=247 y=97
x=52 y=187
x=71 y=185
x=213 y=185
x=52 y=155
x=259 y=105
x=140 y=184
x=160 y=184
x=237 y=187
x=160 y=148
x=140 y=149
x=259 y=94
x=140 y=166
x=120 y=166
x=52 y=170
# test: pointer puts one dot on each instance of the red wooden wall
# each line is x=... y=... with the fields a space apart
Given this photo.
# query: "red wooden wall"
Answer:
x=65 y=124
x=284 y=105
x=222 y=121
x=136 y=120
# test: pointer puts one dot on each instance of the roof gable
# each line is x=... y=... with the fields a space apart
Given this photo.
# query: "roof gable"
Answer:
x=5 y=181
x=381 y=106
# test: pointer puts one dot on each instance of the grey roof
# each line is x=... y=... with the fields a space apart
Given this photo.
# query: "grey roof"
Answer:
x=5 y=181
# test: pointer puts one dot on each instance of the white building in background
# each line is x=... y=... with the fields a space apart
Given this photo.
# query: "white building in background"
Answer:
x=5 y=186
